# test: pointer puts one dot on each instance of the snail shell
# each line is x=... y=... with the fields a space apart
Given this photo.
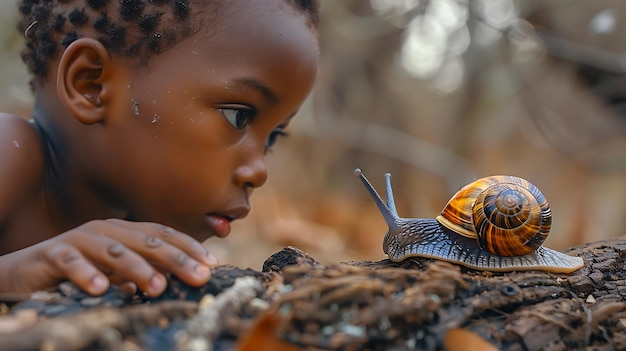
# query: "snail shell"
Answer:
x=496 y=223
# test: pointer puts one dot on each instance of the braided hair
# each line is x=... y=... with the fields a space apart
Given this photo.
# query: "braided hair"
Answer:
x=133 y=28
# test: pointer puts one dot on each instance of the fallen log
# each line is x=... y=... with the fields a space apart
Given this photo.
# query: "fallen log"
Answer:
x=418 y=303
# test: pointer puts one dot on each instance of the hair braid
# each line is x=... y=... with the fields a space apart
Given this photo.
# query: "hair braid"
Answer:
x=139 y=28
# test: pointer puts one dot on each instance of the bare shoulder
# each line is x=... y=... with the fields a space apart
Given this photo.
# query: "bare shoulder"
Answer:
x=22 y=166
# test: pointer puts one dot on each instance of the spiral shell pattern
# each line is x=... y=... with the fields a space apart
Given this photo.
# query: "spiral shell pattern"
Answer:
x=508 y=215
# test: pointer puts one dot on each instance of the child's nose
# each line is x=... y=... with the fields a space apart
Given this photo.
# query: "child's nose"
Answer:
x=253 y=173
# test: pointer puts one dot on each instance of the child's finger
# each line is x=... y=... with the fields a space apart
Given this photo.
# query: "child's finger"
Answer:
x=168 y=257
x=126 y=263
x=68 y=262
x=186 y=243
x=104 y=251
x=147 y=243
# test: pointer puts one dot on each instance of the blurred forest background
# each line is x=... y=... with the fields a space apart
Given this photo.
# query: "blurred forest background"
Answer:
x=437 y=92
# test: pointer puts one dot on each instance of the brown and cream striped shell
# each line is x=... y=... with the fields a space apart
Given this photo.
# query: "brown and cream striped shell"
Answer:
x=495 y=223
x=508 y=215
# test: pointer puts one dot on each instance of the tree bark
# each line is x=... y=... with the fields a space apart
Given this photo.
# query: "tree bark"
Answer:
x=358 y=305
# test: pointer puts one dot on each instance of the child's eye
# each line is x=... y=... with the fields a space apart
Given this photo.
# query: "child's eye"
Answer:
x=275 y=134
x=237 y=117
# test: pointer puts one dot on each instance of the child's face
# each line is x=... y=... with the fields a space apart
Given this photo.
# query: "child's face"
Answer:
x=187 y=136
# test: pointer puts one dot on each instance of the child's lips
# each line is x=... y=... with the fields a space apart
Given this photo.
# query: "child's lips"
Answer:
x=220 y=224
x=220 y=221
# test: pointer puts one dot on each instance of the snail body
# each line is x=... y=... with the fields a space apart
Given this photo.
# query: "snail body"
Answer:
x=496 y=223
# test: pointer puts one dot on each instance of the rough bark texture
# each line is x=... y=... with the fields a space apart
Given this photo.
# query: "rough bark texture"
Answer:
x=350 y=306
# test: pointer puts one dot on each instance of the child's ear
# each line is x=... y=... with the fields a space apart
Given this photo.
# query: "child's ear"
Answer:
x=80 y=79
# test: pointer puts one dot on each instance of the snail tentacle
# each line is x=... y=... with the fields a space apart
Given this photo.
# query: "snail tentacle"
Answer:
x=391 y=203
x=387 y=210
x=389 y=214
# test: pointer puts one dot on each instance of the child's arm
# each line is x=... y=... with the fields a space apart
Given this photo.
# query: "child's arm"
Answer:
x=92 y=254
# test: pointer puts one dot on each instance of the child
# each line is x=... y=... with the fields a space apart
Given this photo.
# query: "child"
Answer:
x=150 y=127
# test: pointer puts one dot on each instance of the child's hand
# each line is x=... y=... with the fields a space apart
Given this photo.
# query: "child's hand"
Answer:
x=98 y=252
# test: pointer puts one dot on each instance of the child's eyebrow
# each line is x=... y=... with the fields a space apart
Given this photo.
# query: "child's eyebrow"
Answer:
x=252 y=84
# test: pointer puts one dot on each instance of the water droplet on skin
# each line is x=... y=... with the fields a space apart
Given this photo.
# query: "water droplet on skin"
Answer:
x=129 y=86
x=135 y=106
x=16 y=143
x=155 y=118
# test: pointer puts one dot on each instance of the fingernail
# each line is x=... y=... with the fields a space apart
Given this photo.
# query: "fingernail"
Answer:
x=98 y=283
x=209 y=259
x=157 y=284
x=212 y=260
x=201 y=270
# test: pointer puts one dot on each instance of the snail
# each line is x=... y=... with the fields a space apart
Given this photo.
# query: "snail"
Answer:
x=496 y=223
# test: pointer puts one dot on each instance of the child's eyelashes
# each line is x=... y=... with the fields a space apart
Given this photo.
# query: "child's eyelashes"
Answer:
x=274 y=135
x=238 y=117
